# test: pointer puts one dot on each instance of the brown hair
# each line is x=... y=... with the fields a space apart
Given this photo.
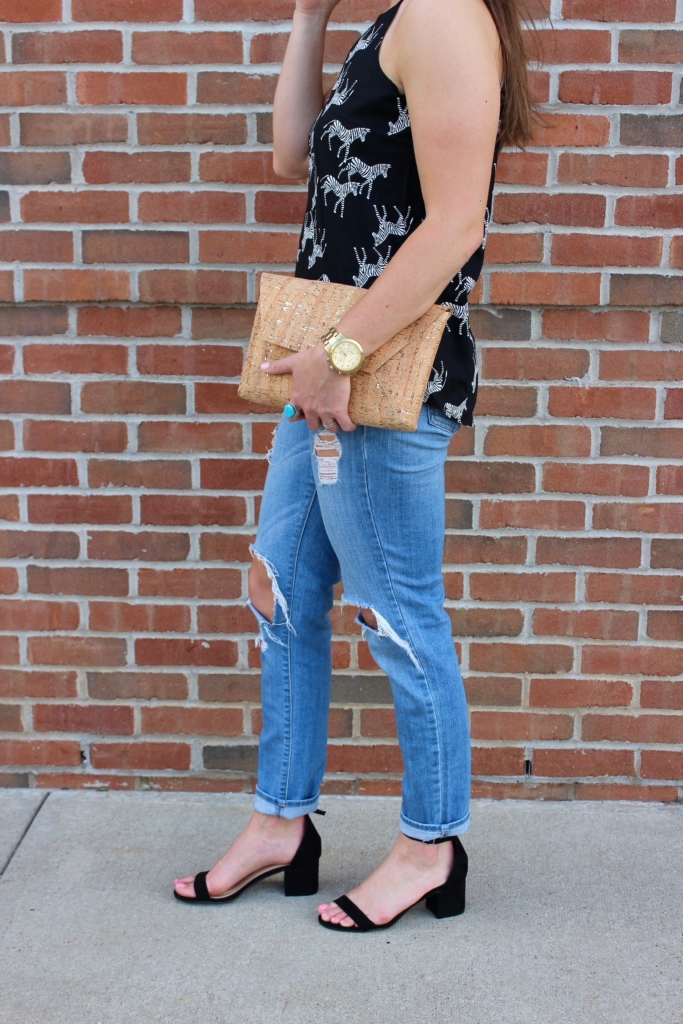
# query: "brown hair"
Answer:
x=518 y=112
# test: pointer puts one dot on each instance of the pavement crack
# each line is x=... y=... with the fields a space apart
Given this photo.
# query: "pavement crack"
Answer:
x=23 y=835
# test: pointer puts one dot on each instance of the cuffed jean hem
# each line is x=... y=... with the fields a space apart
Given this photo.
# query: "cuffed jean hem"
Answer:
x=265 y=804
x=425 y=833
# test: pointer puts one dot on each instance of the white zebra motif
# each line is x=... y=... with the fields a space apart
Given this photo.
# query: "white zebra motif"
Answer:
x=318 y=250
x=364 y=41
x=341 y=190
x=475 y=356
x=387 y=227
x=367 y=270
x=402 y=121
x=336 y=130
x=487 y=224
x=437 y=383
x=455 y=412
x=324 y=277
x=464 y=285
x=462 y=313
x=341 y=91
x=367 y=172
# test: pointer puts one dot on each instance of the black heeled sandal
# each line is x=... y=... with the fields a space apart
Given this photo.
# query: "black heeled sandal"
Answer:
x=447 y=900
x=301 y=874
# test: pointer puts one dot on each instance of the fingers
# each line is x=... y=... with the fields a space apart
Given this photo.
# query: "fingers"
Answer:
x=278 y=366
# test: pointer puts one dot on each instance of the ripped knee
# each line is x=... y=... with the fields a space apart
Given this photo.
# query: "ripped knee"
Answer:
x=261 y=589
x=368 y=618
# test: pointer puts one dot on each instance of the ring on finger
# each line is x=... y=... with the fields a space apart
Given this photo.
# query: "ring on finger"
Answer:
x=291 y=411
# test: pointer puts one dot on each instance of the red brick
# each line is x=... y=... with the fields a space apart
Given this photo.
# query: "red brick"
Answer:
x=38 y=544
x=191 y=784
x=534 y=364
x=591 y=791
x=31 y=10
x=657 y=211
x=634 y=728
x=665 y=625
x=100 y=168
x=483 y=622
x=461 y=550
x=9 y=650
x=189 y=286
x=193 y=721
x=192 y=511
x=500 y=657
x=82 y=780
x=611 y=552
x=140 y=685
x=652 y=518
x=582 y=763
x=615 y=87
x=493 y=690
x=82 y=719
x=676 y=253
x=504 y=247
x=595 y=625
x=531 y=288
x=140 y=87
x=646 y=290
x=625 y=170
x=191 y=360
x=225 y=619
x=76 y=285
x=127 y=10
x=9 y=509
x=5 y=135
x=488 y=477
x=131 y=322
x=378 y=723
x=76 y=359
x=82 y=581
x=56 y=508
x=657 y=693
x=7 y=429
x=150 y=756
x=192 y=207
x=549 y=441
x=223 y=398
x=280 y=207
x=652 y=442
x=633 y=660
x=113 y=545
x=521 y=791
x=187 y=47
x=6 y=286
x=226 y=547
x=56 y=129
x=104 y=47
x=574 y=478
x=40 y=752
x=620 y=10
x=248 y=246
x=18 y=472
x=651 y=46
x=39 y=615
x=375 y=757
x=225 y=584
x=185 y=652
x=631 y=588
x=188 y=437
x=535 y=515
x=234 y=87
x=661 y=764
x=522 y=169
x=73 y=650
x=157 y=474
x=20 y=683
x=535 y=586
x=36 y=246
x=8 y=581
x=240 y=168
x=540 y=208
x=498 y=761
x=26 y=396
x=520 y=725
x=161 y=129
x=136 y=247
x=605 y=251
x=84 y=207
x=583 y=325
x=269 y=48
x=32 y=88
x=561 y=45
x=571 y=130
x=89 y=436
x=603 y=403
x=233 y=474
x=138 y=618
x=578 y=693
x=670 y=480
x=133 y=397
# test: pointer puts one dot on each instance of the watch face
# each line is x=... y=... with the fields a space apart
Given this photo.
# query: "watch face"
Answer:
x=346 y=356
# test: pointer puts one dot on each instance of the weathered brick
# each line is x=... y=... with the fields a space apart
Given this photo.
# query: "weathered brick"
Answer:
x=56 y=129
x=85 y=47
x=177 y=129
x=101 y=168
x=168 y=47
x=35 y=169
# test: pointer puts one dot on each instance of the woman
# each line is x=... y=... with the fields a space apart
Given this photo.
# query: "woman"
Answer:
x=399 y=159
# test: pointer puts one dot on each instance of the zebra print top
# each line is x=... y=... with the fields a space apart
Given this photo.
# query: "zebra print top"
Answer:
x=364 y=199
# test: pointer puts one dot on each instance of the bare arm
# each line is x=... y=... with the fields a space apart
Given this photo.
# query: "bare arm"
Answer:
x=299 y=93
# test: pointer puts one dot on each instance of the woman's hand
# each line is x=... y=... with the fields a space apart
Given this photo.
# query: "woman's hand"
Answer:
x=319 y=391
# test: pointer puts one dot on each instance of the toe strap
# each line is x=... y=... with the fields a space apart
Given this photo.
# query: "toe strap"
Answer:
x=361 y=921
x=201 y=892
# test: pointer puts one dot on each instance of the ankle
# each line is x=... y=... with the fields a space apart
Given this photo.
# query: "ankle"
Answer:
x=272 y=826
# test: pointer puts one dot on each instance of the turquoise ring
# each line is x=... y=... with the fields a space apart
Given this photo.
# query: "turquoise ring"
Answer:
x=290 y=411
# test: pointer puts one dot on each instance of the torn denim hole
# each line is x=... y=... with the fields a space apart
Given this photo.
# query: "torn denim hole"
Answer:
x=269 y=453
x=265 y=628
x=278 y=602
x=384 y=629
x=327 y=448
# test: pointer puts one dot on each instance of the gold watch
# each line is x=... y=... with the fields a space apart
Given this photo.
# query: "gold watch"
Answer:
x=344 y=354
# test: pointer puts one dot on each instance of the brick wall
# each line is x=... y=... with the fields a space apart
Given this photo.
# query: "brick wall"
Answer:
x=137 y=208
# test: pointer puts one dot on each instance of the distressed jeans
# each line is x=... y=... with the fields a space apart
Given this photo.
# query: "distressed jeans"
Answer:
x=366 y=507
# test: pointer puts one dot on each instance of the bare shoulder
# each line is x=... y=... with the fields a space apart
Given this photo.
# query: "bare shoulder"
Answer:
x=432 y=27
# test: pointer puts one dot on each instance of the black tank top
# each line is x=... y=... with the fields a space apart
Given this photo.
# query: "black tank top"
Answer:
x=365 y=198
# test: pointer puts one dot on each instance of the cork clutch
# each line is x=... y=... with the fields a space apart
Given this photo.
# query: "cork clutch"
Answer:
x=294 y=313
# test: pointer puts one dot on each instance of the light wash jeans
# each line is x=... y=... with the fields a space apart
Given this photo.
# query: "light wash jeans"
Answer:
x=367 y=507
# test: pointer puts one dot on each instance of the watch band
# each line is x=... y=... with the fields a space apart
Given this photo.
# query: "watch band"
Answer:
x=331 y=339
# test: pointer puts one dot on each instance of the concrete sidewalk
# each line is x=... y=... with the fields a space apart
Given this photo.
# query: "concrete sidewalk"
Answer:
x=575 y=914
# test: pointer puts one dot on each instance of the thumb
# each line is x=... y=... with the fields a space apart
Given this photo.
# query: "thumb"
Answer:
x=278 y=366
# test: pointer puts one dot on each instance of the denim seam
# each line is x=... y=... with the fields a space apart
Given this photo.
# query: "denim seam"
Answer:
x=407 y=633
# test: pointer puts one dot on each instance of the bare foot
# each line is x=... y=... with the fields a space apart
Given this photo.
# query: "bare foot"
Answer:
x=410 y=871
x=267 y=842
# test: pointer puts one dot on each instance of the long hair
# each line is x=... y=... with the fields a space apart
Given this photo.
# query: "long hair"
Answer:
x=518 y=113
